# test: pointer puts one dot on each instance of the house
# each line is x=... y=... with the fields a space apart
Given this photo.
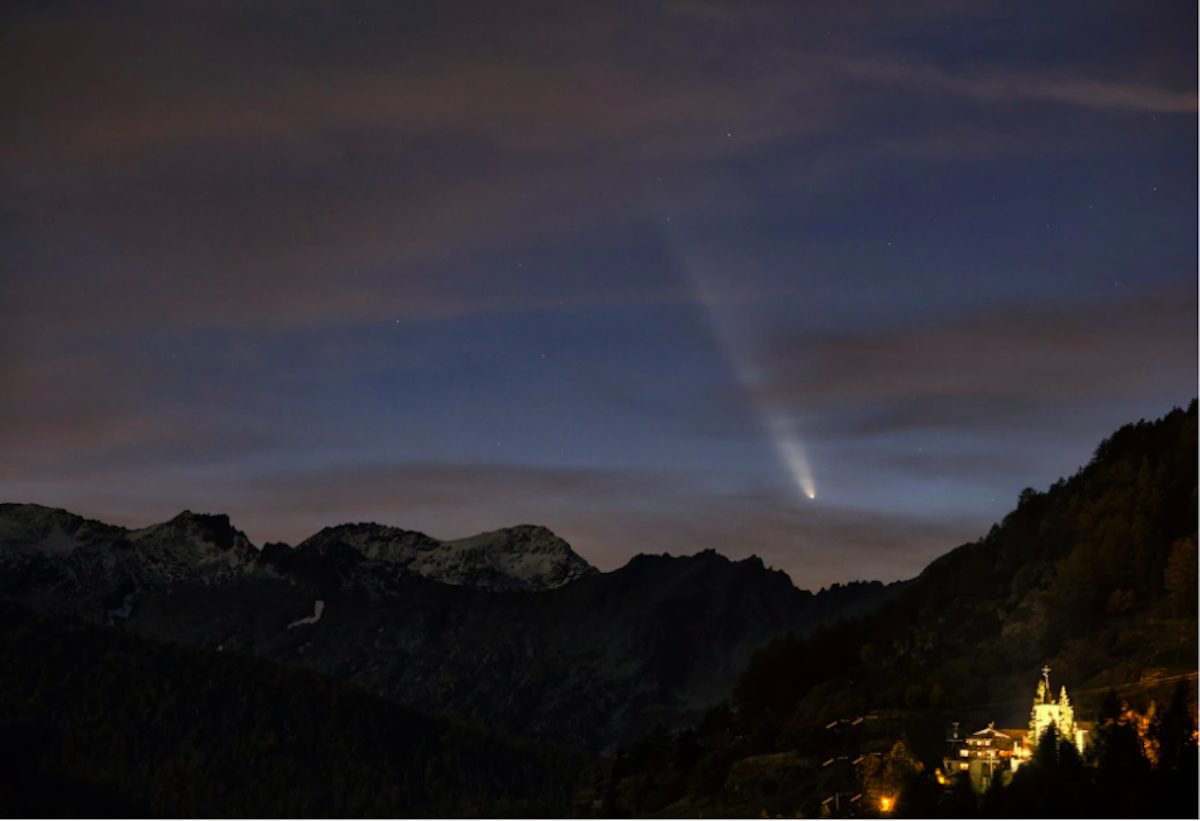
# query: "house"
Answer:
x=982 y=756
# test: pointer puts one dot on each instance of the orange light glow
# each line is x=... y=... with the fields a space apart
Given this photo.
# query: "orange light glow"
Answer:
x=885 y=804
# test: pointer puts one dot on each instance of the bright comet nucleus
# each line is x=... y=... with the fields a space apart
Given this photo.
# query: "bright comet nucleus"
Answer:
x=792 y=452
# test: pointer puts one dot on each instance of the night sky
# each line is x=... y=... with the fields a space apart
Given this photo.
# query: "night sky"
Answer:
x=649 y=274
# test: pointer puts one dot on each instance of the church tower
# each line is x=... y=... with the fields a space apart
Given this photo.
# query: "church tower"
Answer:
x=1047 y=711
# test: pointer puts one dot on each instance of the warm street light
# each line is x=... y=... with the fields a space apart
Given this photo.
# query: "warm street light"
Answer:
x=885 y=804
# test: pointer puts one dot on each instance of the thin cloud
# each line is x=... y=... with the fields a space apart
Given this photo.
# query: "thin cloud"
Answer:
x=1004 y=368
x=317 y=171
x=1006 y=85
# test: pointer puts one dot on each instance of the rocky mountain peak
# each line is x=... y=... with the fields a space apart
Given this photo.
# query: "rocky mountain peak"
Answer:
x=31 y=528
x=523 y=558
x=375 y=541
x=214 y=528
x=192 y=546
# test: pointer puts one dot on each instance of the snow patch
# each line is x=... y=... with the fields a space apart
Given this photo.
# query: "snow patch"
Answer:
x=124 y=611
x=318 y=607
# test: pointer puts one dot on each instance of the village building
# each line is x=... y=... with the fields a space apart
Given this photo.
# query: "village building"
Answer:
x=982 y=756
x=990 y=754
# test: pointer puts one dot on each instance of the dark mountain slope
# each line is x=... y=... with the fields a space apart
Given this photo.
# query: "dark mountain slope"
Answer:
x=1095 y=576
x=99 y=722
x=591 y=664
x=1075 y=576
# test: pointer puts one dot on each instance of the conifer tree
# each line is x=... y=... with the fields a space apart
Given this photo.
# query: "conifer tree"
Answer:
x=1040 y=698
x=1066 y=717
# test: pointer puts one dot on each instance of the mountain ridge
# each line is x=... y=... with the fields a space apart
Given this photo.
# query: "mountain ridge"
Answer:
x=591 y=663
x=495 y=560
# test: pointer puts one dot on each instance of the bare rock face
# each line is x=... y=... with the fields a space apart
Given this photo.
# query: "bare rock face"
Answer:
x=48 y=531
x=191 y=547
x=71 y=564
x=525 y=558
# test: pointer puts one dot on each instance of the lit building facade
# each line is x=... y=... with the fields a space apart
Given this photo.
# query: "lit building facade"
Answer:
x=1048 y=711
x=982 y=756
x=990 y=754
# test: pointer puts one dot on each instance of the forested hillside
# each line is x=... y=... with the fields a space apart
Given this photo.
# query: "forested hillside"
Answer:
x=1096 y=577
x=95 y=721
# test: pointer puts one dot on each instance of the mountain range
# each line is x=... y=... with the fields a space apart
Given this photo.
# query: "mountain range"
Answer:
x=511 y=629
x=373 y=670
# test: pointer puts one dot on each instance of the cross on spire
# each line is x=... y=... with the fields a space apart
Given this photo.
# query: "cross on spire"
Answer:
x=1046 y=676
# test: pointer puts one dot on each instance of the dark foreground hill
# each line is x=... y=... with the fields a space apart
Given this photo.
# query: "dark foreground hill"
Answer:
x=96 y=722
x=1096 y=577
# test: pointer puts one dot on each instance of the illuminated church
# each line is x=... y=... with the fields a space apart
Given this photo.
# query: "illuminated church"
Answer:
x=1047 y=711
x=990 y=753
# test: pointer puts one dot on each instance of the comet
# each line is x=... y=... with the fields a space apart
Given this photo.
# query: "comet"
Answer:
x=778 y=426
x=791 y=451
